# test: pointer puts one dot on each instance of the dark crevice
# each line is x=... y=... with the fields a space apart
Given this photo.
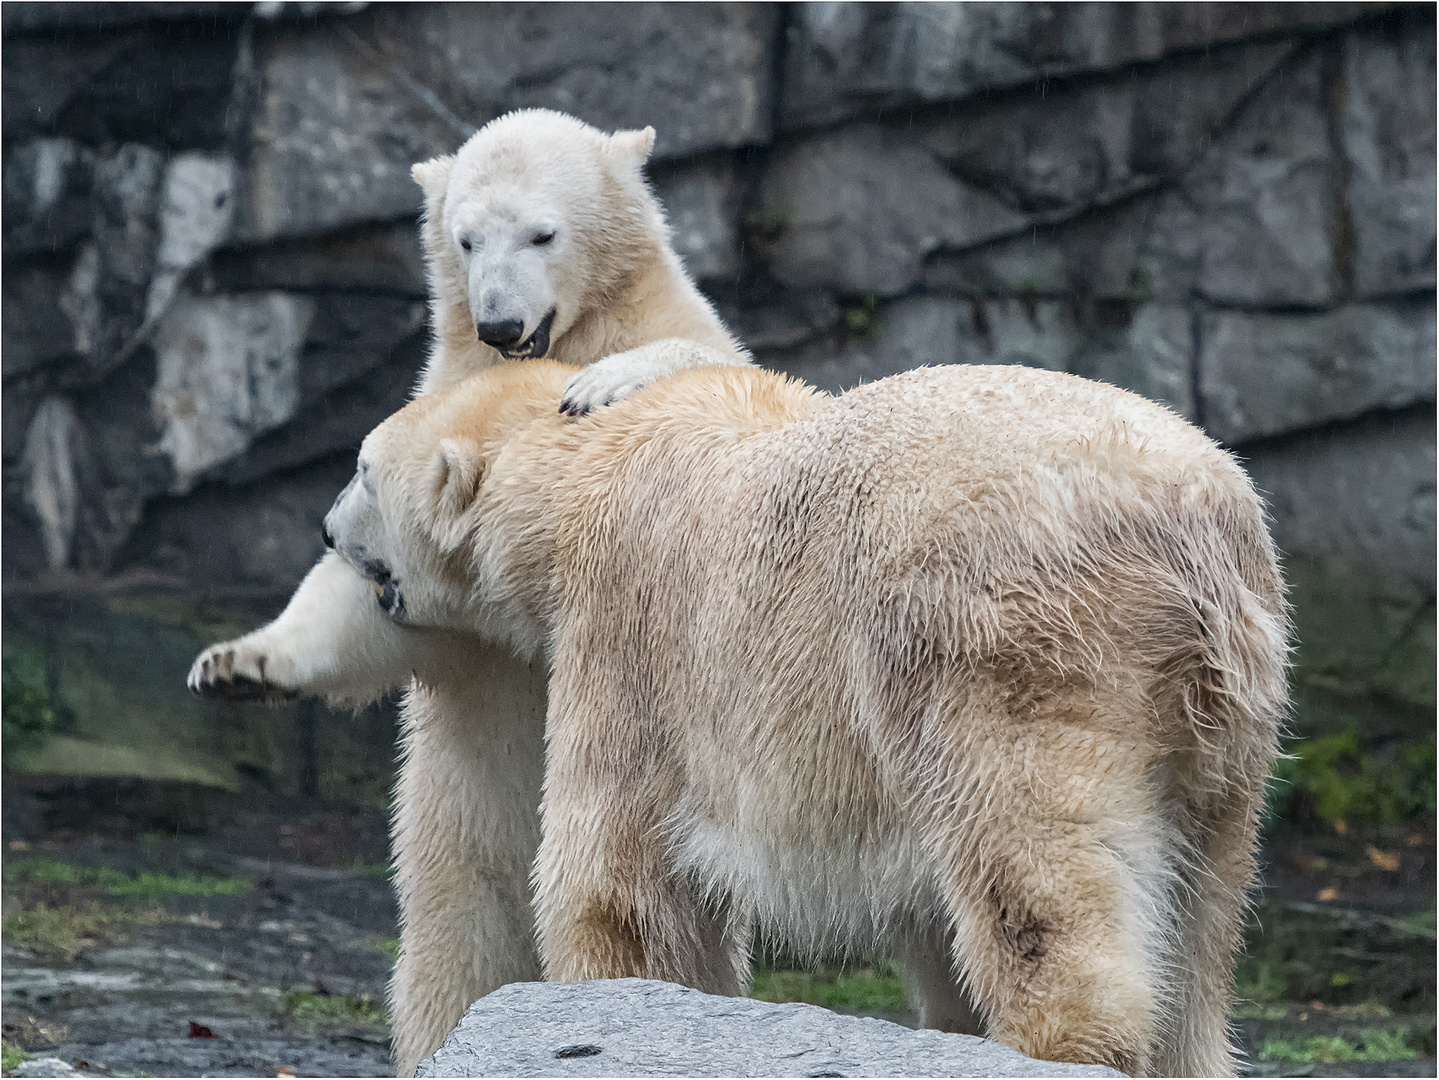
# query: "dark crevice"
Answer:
x=1369 y=420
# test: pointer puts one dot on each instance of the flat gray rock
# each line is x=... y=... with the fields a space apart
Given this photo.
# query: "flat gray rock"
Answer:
x=639 y=1027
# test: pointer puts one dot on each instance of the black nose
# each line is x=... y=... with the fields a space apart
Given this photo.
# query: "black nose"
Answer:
x=501 y=335
x=325 y=535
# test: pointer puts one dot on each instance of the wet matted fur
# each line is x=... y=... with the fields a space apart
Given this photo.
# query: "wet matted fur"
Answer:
x=990 y=657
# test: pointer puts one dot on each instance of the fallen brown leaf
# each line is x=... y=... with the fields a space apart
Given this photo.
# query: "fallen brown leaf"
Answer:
x=1382 y=859
x=1326 y=895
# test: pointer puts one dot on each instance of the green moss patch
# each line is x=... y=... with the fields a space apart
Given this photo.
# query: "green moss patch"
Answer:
x=314 y=1013
x=1341 y=779
x=1372 y=1044
x=1295 y=955
x=866 y=990
x=111 y=882
x=63 y=932
x=11 y=1055
x=29 y=714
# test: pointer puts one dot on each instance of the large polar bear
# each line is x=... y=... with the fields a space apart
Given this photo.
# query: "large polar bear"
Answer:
x=542 y=238
x=995 y=655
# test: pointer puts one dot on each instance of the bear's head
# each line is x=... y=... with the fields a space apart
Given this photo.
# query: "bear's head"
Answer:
x=446 y=543
x=534 y=222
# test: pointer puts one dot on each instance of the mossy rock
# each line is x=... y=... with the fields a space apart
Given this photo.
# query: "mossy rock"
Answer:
x=1365 y=651
x=114 y=668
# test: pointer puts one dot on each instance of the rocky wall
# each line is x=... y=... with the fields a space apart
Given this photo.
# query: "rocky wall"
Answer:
x=212 y=286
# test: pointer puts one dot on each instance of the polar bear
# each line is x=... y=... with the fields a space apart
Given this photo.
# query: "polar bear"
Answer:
x=542 y=239
x=994 y=655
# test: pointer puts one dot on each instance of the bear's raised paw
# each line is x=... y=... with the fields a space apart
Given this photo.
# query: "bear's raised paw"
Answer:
x=234 y=671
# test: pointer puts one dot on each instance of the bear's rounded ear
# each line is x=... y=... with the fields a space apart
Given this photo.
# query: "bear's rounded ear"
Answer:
x=635 y=146
x=433 y=175
x=457 y=472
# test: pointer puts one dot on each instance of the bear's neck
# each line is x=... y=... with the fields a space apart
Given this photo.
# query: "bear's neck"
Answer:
x=657 y=301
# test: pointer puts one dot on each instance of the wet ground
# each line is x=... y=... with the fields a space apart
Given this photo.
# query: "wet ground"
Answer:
x=166 y=930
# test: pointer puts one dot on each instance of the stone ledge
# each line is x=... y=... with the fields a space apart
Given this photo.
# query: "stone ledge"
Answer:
x=639 y=1027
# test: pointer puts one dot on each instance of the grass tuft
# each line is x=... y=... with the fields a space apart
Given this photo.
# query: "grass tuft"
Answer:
x=1373 y=1044
x=866 y=989
x=314 y=1013
x=113 y=882
x=11 y=1055
x=63 y=932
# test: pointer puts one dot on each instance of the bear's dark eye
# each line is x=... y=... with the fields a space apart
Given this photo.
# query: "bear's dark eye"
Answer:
x=541 y=239
x=465 y=244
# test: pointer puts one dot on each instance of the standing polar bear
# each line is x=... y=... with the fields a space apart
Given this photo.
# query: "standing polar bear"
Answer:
x=542 y=239
x=993 y=655
x=984 y=655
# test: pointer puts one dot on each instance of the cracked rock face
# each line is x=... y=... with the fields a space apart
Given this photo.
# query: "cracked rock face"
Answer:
x=213 y=284
x=640 y=1027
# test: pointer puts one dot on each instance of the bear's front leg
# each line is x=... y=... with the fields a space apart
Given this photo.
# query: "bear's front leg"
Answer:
x=332 y=640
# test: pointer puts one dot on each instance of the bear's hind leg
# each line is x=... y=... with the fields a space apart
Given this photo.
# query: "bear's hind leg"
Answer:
x=1060 y=886
x=1216 y=876
x=465 y=830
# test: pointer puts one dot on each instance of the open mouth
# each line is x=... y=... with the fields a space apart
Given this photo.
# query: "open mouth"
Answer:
x=536 y=345
x=392 y=603
x=387 y=592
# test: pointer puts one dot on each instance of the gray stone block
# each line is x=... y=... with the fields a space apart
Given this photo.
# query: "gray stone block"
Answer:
x=345 y=111
x=1389 y=143
x=899 y=336
x=48 y=467
x=1145 y=349
x=332 y=137
x=197 y=206
x=857 y=211
x=780 y=319
x=1263 y=374
x=844 y=59
x=47 y=196
x=1359 y=494
x=127 y=205
x=263 y=536
x=1254 y=222
x=335 y=421
x=638 y=1027
x=702 y=204
x=24 y=17
x=34 y=329
x=1095 y=255
x=1057 y=149
x=699 y=73
x=384 y=257
x=227 y=370
x=1149 y=350
x=1020 y=330
x=164 y=84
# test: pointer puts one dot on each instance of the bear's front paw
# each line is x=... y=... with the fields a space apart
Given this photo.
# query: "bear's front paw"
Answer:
x=234 y=671
x=600 y=384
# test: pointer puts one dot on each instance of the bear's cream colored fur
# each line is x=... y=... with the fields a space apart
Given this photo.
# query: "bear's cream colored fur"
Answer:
x=989 y=656
x=465 y=816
